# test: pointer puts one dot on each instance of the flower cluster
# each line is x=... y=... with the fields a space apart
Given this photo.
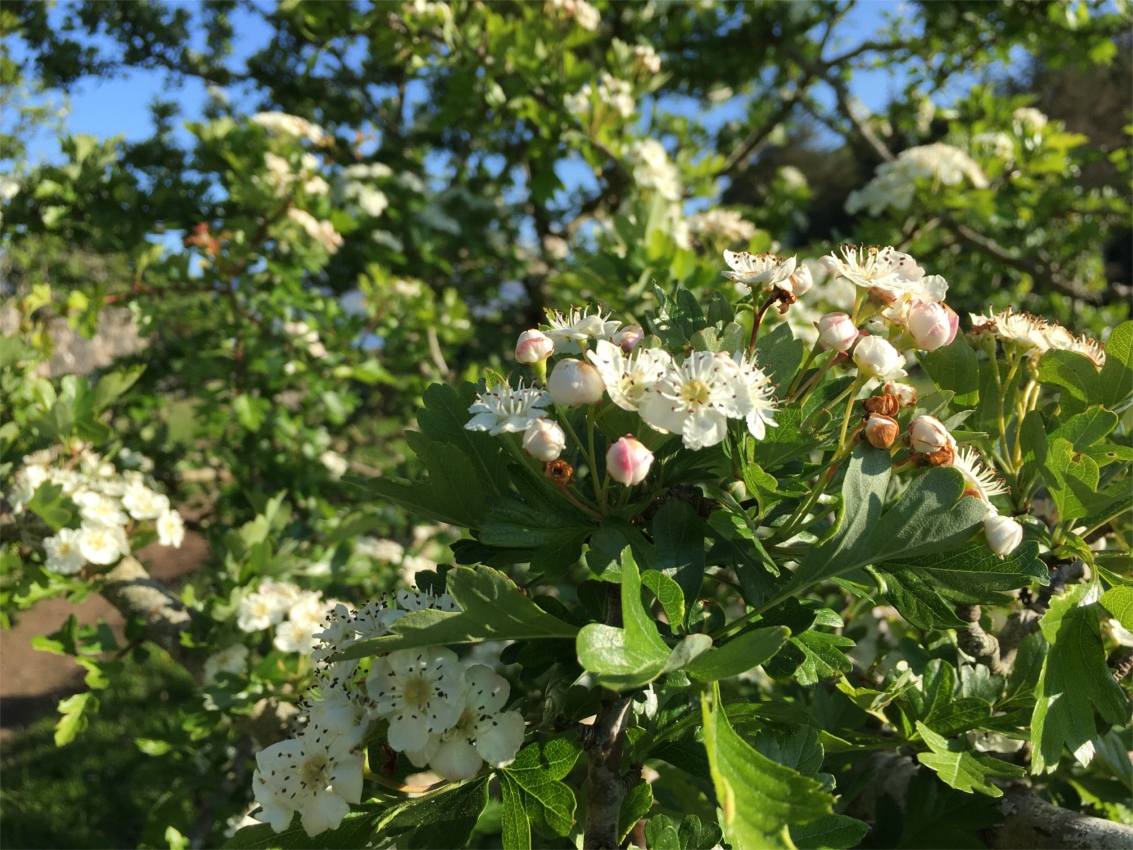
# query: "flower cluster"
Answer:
x=581 y=12
x=610 y=94
x=282 y=177
x=352 y=189
x=723 y=225
x=442 y=712
x=282 y=124
x=652 y=169
x=321 y=231
x=1035 y=335
x=296 y=614
x=894 y=184
x=112 y=506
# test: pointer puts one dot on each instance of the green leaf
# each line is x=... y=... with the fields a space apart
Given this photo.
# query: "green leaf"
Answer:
x=937 y=816
x=1117 y=375
x=538 y=517
x=740 y=654
x=779 y=354
x=917 y=600
x=1074 y=681
x=452 y=493
x=356 y=830
x=788 y=440
x=955 y=367
x=760 y=799
x=962 y=768
x=830 y=831
x=1119 y=602
x=635 y=805
x=810 y=657
x=629 y=657
x=491 y=608
x=661 y=834
x=800 y=750
x=1087 y=428
x=1072 y=479
x=1077 y=376
x=974 y=573
x=112 y=385
x=533 y=796
x=441 y=821
x=668 y=593
x=696 y=835
x=442 y=420
x=50 y=505
x=678 y=534
x=251 y=411
x=75 y=711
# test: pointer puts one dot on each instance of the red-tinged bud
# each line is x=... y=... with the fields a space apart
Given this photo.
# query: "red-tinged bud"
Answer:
x=533 y=347
x=836 y=332
x=628 y=461
x=931 y=325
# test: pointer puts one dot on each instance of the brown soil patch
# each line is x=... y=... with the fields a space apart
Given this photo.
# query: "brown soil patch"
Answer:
x=32 y=682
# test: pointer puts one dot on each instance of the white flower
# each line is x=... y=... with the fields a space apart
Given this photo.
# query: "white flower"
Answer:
x=506 y=410
x=64 y=555
x=629 y=379
x=318 y=774
x=388 y=551
x=282 y=124
x=420 y=691
x=726 y=225
x=980 y=480
x=877 y=358
x=1036 y=335
x=305 y=619
x=266 y=606
x=102 y=544
x=763 y=270
x=335 y=463
x=322 y=232
x=894 y=183
x=232 y=659
x=696 y=398
x=884 y=269
x=375 y=619
x=931 y=325
x=577 y=325
x=614 y=95
x=170 y=529
x=654 y=170
x=483 y=732
x=928 y=434
x=411 y=600
x=100 y=509
x=1027 y=118
x=759 y=387
x=144 y=503
x=645 y=59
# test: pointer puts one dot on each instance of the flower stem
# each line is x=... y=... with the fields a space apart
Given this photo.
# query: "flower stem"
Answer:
x=759 y=320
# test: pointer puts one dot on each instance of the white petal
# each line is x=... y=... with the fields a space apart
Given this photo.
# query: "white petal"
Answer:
x=408 y=731
x=499 y=738
x=704 y=428
x=456 y=759
x=420 y=758
x=662 y=413
x=324 y=812
x=347 y=778
x=487 y=690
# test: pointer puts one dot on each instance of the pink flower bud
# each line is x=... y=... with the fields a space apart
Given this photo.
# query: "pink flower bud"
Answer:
x=544 y=440
x=927 y=435
x=533 y=346
x=574 y=383
x=931 y=325
x=876 y=358
x=906 y=394
x=1003 y=534
x=628 y=338
x=880 y=430
x=836 y=332
x=628 y=461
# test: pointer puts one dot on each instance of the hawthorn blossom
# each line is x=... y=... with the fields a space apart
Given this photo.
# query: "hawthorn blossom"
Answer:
x=64 y=553
x=102 y=544
x=576 y=326
x=483 y=732
x=420 y=691
x=726 y=225
x=387 y=551
x=304 y=621
x=762 y=413
x=696 y=398
x=887 y=272
x=894 y=183
x=144 y=503
x=652 y=169
x=506 y=410
x=629 y=379
x=266 y=606
x=170 y=529
x=1036 y=335
x=979 y=479
x=318 y=773
x=764 y=270
x=100 y=509
x=231 y=659
x=877 y=358
x=282 y=124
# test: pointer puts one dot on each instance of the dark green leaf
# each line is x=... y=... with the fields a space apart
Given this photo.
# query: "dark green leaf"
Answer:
x=442 y=420
x=830 y=831
x=1117 y=375
x=955 y=367
x=50 y=505
x=740 y=654
x=779 y=355
x=452 y=493
x=635 y=805
x=678 y=534
x=661 y=834
x=1075 y=373
x=696 y=835
x=668 y=593
x=962 y=768
x=537 y=796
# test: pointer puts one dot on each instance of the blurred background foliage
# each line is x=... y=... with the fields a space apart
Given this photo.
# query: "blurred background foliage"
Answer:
x=465 y=167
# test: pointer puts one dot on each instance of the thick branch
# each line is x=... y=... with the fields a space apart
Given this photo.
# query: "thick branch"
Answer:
x=605 y=786
x=1028 y=821
x=976 y=642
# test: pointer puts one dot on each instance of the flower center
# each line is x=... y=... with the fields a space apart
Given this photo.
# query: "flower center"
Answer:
x=695 y=393
x=417 y=690
x=313 y=771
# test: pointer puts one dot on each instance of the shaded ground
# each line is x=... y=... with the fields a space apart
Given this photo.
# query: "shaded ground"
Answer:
x=33 y=682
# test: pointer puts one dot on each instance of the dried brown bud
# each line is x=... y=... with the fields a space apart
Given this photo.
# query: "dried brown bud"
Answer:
x=943 y=456
x=559 y=471
x=884 y=404
x=881 y=431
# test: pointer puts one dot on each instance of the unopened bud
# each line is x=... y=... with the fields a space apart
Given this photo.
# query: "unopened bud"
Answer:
x=533 y=347
x=884 y=404
x=906 y=393
x=876 y=358
x=928 y=435
x=801 y=281
x=628 y=338
x=574 y=383
x=628 y=461
x=1003 y=534
x=931 y=325
x=880 y=430
x=836 y=332
x=544 y=440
